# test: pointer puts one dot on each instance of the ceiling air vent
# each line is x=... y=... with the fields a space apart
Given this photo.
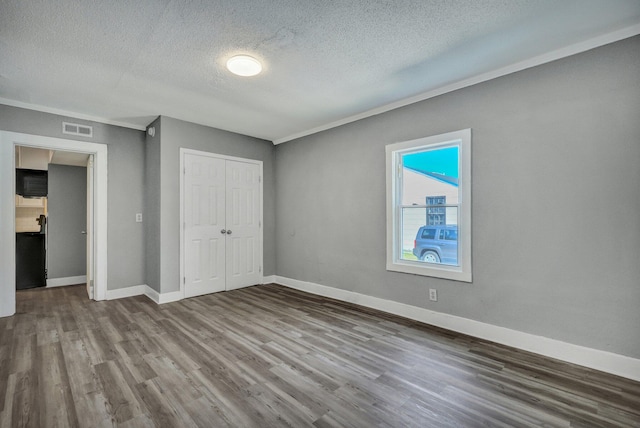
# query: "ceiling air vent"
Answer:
x=77 y=129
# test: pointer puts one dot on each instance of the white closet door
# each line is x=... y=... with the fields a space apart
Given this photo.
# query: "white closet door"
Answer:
x=243 y=224
x=204 y=216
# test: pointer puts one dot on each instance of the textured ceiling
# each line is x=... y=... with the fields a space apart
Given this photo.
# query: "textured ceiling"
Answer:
x=325 y=62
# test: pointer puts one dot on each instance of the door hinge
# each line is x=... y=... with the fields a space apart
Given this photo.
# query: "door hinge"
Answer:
x=259 y=268
x=259 y=179
x=184 y=279
x=259 y=224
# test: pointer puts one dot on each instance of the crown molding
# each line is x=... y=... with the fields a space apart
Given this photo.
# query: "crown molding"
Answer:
x=557 y=54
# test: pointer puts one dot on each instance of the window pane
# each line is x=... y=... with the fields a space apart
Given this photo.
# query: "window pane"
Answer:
x=430 y=177
x=429 y=243
x=430 y=182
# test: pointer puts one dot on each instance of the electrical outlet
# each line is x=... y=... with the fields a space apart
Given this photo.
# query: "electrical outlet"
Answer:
x=139 y=218
x=433 y=294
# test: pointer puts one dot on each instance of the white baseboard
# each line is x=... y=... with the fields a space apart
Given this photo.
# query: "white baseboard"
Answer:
x=173 y=296
x=609 y=362
x=161 y=298
x=139 y=290
x=69 y=280
x=152 y=294
x=135 y=290
x=268 y=279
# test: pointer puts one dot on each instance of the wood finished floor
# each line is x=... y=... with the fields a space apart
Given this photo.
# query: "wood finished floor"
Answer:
x=269 y=356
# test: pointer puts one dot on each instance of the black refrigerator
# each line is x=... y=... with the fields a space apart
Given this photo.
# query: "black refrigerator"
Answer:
x=30 y=260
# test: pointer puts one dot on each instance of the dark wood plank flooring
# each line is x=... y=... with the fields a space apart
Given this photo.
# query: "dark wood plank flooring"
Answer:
x=268 y=356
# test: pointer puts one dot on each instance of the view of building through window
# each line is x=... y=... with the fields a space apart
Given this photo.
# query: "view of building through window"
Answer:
x=436 y=215
x=430 y=197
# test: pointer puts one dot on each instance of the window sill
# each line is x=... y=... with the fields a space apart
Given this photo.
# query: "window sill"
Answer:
x=454 y=273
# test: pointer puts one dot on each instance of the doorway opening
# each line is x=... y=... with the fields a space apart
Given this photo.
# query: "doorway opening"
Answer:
x=95 y=156
x=52 y=237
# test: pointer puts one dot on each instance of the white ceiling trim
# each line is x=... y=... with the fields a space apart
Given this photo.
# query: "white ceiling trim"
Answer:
x=70 y=114
x=577 y=48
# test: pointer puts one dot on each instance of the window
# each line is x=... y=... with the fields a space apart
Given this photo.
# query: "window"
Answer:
x=429 y=206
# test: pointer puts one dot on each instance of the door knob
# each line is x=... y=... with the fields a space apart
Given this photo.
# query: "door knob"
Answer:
x=228 y=231
x=83 y=232
x=223 y=231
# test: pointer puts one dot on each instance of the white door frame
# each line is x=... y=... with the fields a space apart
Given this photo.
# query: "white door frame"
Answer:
x=90 y=227
x=184 y=151
x=8 y=141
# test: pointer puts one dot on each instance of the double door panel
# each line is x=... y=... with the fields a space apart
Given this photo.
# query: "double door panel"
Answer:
x=222 y=224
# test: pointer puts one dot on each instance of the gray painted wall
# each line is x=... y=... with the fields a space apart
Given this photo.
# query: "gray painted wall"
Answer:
x=177 y=134
x=125 y=247
x=555 y=170
x=67 y=218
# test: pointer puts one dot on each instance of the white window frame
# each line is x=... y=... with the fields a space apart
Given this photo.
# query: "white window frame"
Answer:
x=394 y=152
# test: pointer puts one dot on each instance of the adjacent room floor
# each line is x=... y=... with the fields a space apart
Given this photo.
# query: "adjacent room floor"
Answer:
x=271 y=356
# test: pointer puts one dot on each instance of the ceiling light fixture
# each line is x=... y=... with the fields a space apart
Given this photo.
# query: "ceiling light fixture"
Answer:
x=244 y=65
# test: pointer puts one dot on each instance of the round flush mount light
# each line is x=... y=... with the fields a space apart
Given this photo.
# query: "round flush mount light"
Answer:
x=244 y=65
